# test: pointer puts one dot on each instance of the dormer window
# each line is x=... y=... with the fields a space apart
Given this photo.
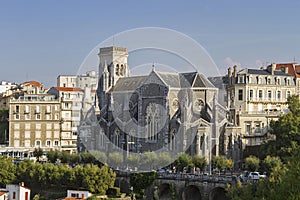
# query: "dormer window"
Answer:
x=241 y=79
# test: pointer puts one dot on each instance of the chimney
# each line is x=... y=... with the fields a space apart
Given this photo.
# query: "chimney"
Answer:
x=273 y=68
x=234 y=71
x=21 y=184
x=286 y=70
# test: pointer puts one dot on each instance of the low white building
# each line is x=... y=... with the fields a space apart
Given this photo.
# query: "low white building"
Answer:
x=18 y=192
x=78 y=194
x=3 y=195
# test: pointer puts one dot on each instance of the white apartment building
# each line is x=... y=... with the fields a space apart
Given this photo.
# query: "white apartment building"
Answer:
x=257 y=96
x=87 y=80
x=71 y=100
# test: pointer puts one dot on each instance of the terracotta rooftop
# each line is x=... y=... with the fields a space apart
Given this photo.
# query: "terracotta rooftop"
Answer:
x=35 y=83
x=293 y=68
x=2 y=193
x=68 y=89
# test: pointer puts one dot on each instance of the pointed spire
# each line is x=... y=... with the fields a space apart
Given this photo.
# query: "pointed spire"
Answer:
x=153 y=67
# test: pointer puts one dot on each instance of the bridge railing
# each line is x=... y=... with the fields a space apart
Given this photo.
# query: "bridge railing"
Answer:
x=198 y=177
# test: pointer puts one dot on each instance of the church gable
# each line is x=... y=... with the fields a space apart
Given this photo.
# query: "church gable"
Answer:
x=154 y=78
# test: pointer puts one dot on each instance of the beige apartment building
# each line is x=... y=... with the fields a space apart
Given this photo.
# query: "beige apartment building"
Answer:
x=257 y=96
x=34 y=122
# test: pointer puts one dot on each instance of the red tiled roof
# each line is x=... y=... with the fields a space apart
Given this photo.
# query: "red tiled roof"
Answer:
x=68 y=89
x=291 y=69
x=35 y=83
x=2 y=193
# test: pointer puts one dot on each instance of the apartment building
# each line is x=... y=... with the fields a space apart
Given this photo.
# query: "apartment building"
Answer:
x=34 y=122
x=87 y=80
x=70 y=100
x=257 y=96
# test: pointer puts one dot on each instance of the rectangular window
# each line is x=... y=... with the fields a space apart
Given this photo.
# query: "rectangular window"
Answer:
x=27 y=109
x=17 y=134
x=278 y=95
x=241 y=79
x=38 y=134
x=38 y=143
x=27 y=143
x=250 y=94
x=27 y=134
x=257 y=127
x=288 y=94
x=48 y=110
x=248 y=128
x=269 y=95
x=27 y=126
x=56 y=134
x=49 y=126
x=48 y=143
x=38 y=116
x=17 y=116
x=48 y=134
x=27 y=117
x=268 y=81
x=16 y=143
x=55 y=143
x=37 y=109
x=14 y=195
x=37 y=126
x=17 y=126
x=17 y=109
x=260 y=94
x=240 y=95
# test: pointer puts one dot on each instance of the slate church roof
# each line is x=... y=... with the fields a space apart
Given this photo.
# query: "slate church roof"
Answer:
x=171 y=79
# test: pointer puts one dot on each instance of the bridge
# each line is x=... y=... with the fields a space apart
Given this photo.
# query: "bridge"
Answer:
x=184 y=186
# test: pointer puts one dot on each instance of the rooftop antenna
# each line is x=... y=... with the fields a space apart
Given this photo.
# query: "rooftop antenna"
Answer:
x=294 y=59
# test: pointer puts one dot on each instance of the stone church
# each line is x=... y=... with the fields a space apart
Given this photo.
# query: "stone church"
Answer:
x=161 y=111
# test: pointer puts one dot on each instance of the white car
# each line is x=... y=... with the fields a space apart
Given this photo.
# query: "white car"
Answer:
x=255 y=176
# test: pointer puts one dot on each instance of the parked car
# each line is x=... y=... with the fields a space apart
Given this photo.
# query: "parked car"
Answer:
x=255 y=176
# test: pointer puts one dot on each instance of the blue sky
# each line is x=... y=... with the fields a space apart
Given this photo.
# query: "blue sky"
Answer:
x=41 y=39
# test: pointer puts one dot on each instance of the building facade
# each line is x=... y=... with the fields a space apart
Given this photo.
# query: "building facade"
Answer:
x=34 y=122
x=255 y=97
x=177 y=112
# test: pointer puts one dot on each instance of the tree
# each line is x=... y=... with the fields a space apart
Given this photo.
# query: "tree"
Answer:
x=218 y=162
x=115 y=159
x=149 y=160
x=38 y=153
x=270 y=162
x=7 y=171
x=252 y=163
x=287 y=131
x=199 y=162
x=184 y=160
x=133 y=160
x=141 y=181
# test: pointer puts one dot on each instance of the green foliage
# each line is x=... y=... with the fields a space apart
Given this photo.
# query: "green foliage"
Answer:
x=113 y=191
x=252 y=163
x=149 y=160
x=219 y=162
x=270 y=162
x=184 y=160
x=7 y=171
x=140 y=181
x=133 y=160
x=284 y=178
x=199 y=162
x=115 y=159
x=38 y=153
x=287 y=131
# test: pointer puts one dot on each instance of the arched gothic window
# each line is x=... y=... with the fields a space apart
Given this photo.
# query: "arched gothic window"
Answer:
x=152 y=120
x=173 y=139
x=117 y=137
